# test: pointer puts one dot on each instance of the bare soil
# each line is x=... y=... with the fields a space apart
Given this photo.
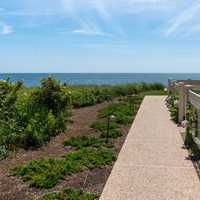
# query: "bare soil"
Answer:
x=13 y=188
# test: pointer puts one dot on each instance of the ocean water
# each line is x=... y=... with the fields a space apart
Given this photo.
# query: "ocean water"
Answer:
x=31 y=79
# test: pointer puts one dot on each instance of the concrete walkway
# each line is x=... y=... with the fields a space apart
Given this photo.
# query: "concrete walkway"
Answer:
x=152 y=164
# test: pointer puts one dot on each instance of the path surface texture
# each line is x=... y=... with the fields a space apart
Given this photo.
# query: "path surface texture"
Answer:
x=153 y=165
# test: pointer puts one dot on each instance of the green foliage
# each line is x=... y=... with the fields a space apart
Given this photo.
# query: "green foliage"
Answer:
x=191 y=131
x=91 y=157
x=86 y=95
x=172 y=104
x=3 y=152
x=112 y=134
x=123 y=111
x=154 y=93
x=85 y=141
x=29 y=117
x=46 y=173
x=101 y=125
x=68 y=194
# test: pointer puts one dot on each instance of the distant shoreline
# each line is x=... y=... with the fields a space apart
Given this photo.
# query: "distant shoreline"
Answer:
x=32 y=79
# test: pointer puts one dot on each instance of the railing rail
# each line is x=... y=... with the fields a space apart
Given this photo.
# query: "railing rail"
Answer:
x=194 y=99
x=187 y=91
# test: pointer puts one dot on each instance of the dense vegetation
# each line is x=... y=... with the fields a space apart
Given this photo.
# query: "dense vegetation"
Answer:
x=172 y=104
x=29 y=117
x=56 y=100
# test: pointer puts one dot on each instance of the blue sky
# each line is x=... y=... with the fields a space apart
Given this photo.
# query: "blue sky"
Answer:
x=99 y=36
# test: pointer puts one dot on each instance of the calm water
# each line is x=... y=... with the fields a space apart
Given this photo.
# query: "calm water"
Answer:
x=34 y=79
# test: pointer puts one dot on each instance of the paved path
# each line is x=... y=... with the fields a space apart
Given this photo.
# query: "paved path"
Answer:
x=152 y=164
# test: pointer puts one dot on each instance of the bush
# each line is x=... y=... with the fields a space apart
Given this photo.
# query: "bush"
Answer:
x=86 y=95
x=112 y=134
x=84 y=141
x=102 y=125
x=172 y=102
x=30 y=117
x=3 y=152
x=68 y=194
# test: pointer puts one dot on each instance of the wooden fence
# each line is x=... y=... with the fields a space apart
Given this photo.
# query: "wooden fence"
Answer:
x=188 y=92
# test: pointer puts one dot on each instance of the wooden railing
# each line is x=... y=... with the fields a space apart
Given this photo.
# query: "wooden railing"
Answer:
x=187 y=93
x=194 y=99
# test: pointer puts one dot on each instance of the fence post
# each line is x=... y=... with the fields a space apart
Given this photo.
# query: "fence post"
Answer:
x=182 y=102
x=171 y=85
x=198 y=124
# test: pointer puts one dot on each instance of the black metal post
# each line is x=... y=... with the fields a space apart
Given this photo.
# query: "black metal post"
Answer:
x=108 y=129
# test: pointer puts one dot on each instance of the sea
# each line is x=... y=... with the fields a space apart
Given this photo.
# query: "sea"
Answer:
x=33 y=79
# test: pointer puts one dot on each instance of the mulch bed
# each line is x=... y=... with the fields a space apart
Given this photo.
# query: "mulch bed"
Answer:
x=13 y=188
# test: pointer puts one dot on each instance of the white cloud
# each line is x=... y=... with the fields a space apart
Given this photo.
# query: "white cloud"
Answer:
x=187 y=21
x=90 y=28
x=5 y=29
x=102 y=17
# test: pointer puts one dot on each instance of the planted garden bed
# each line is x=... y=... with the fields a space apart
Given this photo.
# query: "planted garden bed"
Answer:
x=76 y=163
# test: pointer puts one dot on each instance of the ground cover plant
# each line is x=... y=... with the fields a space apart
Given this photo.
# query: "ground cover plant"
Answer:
x=115 y=115
x=86 y=141
x=68 y=194
x=47 y=172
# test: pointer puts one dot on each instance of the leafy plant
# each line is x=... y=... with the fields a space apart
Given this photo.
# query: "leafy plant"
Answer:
x=47 y=172
x=68 y=194
x=172 y=104
x=3 y=152
x=30 y=117
x=85 y=141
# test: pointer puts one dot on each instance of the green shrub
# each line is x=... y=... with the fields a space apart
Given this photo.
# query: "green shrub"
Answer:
x=86 y=95
x=68 y=194
x=91 y=157
x=112 y=134
x=101 y=125
x=85 y=141
x=3 y=152
x=47 y=172
x=123 y=112
x=172 y=102
x=29 y=117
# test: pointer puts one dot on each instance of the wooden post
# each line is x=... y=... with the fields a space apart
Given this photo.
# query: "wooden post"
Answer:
x=198 y=124
x=182 y=102
x=169 y=85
